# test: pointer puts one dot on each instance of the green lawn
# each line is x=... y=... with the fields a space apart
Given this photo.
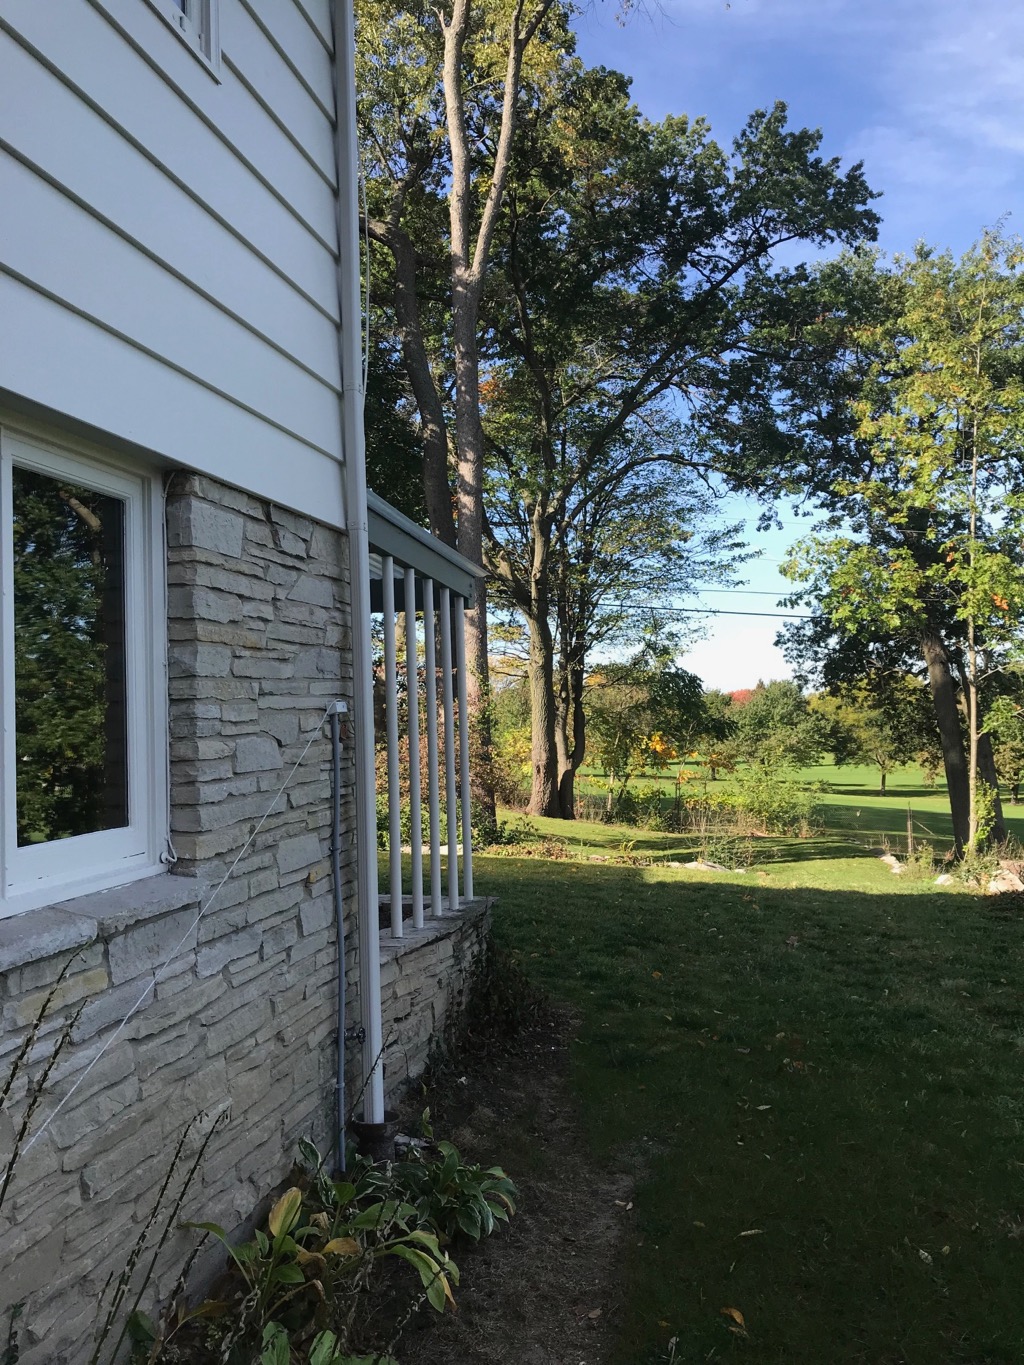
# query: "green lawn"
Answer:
x=817 y=1054
x=851 y=805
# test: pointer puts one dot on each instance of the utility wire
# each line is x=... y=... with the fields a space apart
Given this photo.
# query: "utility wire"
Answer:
x=664 y=610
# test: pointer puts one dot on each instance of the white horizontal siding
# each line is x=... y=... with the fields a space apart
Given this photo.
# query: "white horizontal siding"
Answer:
x=80 y=261
x=318 y=15
x=87 y=53
x=293 y=38
x=172 y=237
x=252 y=61
x=287 y=103
x=45 y=348
x=76 y=149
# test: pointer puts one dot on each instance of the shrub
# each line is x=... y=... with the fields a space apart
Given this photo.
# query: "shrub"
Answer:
x=778 y=804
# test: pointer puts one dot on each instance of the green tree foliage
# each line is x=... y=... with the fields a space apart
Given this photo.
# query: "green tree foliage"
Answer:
x=778 y=729
x=636 y=261
x=1004 y=722
x=930 y=486
x=394 y=454
x=510 y=728
x=643 y=714
x=883 y=726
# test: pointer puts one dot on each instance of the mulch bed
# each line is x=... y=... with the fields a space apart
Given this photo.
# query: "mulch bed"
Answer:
x=541 y=1291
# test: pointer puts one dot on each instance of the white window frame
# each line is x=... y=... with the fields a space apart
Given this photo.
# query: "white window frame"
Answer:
x=198 y=27
x=40 y=874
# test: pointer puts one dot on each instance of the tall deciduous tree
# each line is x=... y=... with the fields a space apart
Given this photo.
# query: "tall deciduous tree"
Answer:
x=643 y=713
x=884 y=722
x=777 y=729
x=637 y=260
x=932 y=489
x=440 y=97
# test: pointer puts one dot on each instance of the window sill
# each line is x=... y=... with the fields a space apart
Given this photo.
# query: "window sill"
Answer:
x=52 y=929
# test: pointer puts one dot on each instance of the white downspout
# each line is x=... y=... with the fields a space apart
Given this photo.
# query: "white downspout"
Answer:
x=354 y=447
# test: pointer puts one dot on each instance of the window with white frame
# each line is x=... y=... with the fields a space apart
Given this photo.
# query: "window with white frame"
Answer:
x=82 y=802
x=197 y=23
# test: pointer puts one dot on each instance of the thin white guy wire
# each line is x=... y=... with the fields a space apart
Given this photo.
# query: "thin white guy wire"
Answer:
x=178 y=946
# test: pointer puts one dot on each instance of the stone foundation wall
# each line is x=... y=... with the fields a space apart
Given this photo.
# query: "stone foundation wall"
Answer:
x=423 y=980
x=240 y=1025
x=241 y=1022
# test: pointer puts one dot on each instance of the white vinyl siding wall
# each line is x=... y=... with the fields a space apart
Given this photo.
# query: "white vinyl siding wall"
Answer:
x=168 y=242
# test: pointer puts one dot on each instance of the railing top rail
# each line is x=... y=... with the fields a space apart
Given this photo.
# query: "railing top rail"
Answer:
x=392 y=533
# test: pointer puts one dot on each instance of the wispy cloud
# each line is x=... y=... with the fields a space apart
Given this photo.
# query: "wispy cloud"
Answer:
x=947 y=141
x=928 y=93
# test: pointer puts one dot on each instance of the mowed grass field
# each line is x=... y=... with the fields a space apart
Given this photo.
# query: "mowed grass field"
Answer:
x=849 y=801
x=813 y=1070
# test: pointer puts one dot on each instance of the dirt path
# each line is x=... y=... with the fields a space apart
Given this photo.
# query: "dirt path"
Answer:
x=542 y=1290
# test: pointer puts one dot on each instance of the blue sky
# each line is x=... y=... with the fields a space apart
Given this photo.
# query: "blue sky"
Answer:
x=929 y=94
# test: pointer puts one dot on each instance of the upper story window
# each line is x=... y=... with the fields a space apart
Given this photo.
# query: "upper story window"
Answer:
x=81 y=691
x=196 y=23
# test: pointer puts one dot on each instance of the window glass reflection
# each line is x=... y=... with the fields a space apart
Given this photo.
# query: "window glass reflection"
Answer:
x=69 y=659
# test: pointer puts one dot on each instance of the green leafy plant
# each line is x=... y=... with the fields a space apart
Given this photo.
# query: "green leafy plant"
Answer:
x=319 y=1243
x=453 y=1196
x=777 y=803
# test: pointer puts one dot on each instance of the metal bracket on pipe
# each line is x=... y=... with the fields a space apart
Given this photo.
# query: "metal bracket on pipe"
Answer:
x=337 y=708
x=356 y=1035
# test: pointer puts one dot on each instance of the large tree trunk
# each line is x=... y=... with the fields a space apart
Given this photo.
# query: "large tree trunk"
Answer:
x=987 y=773
x=986 y=762
x=468 y=271
x=470 y=441
x=543 y=722
x=576 y=727
x=433 y=428
x=947 y=719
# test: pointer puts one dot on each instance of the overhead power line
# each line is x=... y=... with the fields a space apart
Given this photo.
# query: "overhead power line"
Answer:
x=664 y=610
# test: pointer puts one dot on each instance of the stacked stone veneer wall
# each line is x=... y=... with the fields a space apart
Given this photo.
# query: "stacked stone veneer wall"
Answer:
x=423 y=982
x=242 y=1022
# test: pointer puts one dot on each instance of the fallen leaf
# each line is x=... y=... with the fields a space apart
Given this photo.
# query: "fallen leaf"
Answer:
x=762 y=1107
x=792 y=941
x=594 y=1314
x=945 y=1251
x=925 y=1257
x=743 y=1049
x=752 y=1232
x=738 y=1319
x=699 y=1225
x=663 y=1323
x=656 y=975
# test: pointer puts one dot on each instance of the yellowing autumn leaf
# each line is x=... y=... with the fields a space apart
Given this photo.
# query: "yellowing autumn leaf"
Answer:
x=736 y=1316
x=285 y=1213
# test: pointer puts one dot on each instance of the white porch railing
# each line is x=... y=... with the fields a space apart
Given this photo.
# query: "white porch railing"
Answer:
x=421 y=595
